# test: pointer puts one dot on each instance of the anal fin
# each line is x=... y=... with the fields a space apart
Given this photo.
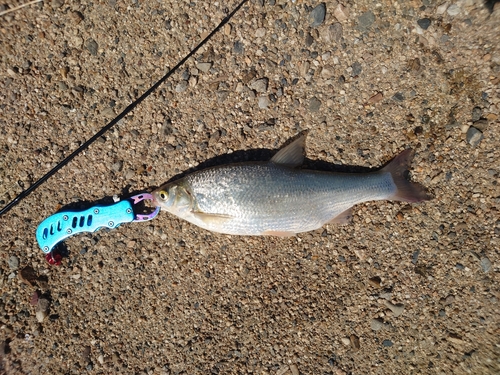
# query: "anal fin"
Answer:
x=277 y=233
x=344 y=217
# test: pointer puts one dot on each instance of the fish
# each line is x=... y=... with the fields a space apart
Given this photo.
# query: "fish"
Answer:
x=278 y=197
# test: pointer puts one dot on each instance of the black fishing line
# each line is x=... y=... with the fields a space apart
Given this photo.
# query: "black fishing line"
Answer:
x=126 y=111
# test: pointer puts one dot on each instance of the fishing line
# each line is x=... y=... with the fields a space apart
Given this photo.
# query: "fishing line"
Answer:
x=126 y=111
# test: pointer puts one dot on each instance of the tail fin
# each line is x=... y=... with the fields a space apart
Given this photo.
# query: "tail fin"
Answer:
x=407 y=191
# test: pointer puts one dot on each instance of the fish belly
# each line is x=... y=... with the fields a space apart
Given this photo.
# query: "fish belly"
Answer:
x=265 y=197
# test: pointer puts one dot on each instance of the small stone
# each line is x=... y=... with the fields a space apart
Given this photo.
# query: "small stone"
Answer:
x=355 y=341
x=387 y=343
x=181 y=86
x=424 y=23
x=264 y=102
x=481 y=124
x=333 y=33
x=193 y=81
x=485 y=264
x=314 y=104
x=309 y=40
x=376 y=98
x=441 y=9
x=340 y=13
x=477 y=112
x=365 y=21
x=118 y=166
x=397 y=310
x=29 y=276
x=260 y=32
x=399 y=97
x=294 y=370
x=238 y=47
x=377 y=324
x=13 y=262
x=62 y=85
x=375 y=281
x=474 y=136
x=222 y=95
x=42 y=309
x=317 y=15
x=260 y=85
x=346 y=341
x=56 y=4
x=77 y=17
x=356 y=69
x=453 y=10
x=108 y=112
x=92 y=46
x=204 y=66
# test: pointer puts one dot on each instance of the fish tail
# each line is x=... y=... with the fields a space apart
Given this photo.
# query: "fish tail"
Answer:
x=407 y=191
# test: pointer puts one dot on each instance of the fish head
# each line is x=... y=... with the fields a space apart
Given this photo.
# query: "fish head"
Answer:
x=173 y=197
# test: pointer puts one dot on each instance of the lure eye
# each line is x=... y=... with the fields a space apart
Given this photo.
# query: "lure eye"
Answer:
x=163 y=195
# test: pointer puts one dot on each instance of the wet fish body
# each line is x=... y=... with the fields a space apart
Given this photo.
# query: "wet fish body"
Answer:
x=277 y=198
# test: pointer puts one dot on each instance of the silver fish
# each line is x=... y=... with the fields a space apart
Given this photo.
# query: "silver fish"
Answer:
x=278 y=198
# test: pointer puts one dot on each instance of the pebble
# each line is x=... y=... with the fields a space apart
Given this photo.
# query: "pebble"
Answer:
x=181 y=86
x=42 y=309
x=477 y=112
x=333 y=33
x=365 y=21
x=376 y=98
x=375 y=281
x=260 y=85
x=356 y=69
x=260 y=32
x=481 y=124
x=77 y=17
x=341 y=13
x=314 y=104
x=92 y=46
x=453 y=10
x=29 y=276
x=294 y=370
x=474 y=136
x=387 y=343
x=204 y=66
x=399 y=97
x=238 y=47
x=355 y=341
x=264 y=102
x=377 y=324
x=441 y=9
x=118 y=166
x=485 y=264
x=317 y=15
x=397 y=310
x=13 y=262
x=346 y=341
x=424 y=23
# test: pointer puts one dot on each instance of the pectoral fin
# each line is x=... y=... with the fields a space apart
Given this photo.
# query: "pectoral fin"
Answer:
x=342 y=218
x=211 y=219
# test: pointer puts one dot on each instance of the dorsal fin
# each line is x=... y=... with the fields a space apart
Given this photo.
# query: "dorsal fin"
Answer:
x=293 y=154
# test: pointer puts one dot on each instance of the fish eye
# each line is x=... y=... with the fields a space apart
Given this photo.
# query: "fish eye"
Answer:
x=163 y=195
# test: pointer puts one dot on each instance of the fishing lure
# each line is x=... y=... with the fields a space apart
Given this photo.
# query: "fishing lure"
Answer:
x=58 y=227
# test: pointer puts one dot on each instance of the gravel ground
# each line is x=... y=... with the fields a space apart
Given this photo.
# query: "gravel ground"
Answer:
x=404 y=288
